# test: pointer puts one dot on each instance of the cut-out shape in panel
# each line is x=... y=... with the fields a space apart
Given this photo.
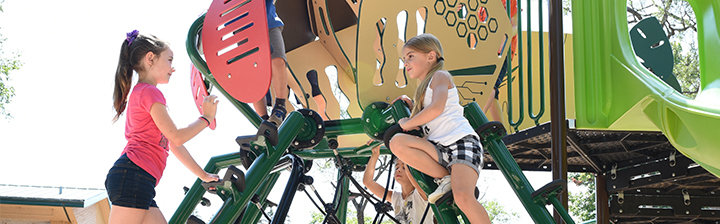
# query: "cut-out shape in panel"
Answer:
x=420 y=18
x=502 y=47
x=400 y=79
x=472 y=41
x=332 y=74
x=462 y=11
x=483 y=14
x=379 y=52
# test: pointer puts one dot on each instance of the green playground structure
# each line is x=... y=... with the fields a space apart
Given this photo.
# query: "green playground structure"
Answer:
x=612 y=95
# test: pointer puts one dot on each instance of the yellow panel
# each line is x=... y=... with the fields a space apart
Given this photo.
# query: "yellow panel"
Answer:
x=450 y=29
x=569 y=87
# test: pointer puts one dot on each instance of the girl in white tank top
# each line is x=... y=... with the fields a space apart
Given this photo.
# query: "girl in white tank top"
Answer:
x=451 y=150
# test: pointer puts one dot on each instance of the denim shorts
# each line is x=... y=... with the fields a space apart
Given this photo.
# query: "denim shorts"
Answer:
x=128 y=185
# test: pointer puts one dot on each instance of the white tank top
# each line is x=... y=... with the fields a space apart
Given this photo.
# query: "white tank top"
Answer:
x=451 y=125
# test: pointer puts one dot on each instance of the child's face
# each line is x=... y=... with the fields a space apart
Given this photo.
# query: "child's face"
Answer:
x=417 y=64
x=162 y=68
x=400 y=171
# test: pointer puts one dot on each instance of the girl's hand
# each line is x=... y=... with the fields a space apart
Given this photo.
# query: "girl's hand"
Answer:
x=209 y=177
x=405 y=98
x=375 y=150
x=209 y=107
x=402 y=122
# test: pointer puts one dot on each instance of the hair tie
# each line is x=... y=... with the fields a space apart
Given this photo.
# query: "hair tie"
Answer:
x=131 y=36
x=440 y=59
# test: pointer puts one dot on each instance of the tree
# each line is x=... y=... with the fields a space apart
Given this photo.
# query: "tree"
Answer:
x=582 y=204
x=7 y=65
x=498 y=213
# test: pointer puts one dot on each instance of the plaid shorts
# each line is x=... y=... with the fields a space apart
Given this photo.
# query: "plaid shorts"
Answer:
x=466 y=151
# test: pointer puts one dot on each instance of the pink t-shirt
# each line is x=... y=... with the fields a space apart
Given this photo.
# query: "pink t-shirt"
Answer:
x=147 y=146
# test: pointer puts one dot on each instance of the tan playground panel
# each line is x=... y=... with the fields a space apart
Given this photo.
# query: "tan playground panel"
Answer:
x=367 y=54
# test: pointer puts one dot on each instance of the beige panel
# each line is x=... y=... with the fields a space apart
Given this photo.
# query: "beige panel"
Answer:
x=315 y=56
x=344 y=54
x=457 y=53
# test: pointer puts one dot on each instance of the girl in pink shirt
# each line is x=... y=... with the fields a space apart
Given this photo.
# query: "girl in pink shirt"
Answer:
x=149 y=130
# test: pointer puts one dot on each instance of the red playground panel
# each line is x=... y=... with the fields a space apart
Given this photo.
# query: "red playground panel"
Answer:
x=199 y=90
x=237 y=47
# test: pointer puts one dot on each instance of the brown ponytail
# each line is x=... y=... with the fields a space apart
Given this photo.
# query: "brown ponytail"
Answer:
x=131 y=55
x=425 y=43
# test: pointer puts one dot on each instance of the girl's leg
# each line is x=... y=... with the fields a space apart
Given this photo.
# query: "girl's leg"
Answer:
x=419 y=153
x=463 y=180
x=260 y=107
x=120 y=214
x=153 y=215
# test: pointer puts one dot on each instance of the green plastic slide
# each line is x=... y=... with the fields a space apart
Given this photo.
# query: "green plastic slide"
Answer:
x=613 y=91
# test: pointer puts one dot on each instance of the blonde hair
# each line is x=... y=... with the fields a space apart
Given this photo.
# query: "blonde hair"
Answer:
x=425 y=43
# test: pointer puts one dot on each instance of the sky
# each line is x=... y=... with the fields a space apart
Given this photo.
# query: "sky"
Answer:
x=62 y=133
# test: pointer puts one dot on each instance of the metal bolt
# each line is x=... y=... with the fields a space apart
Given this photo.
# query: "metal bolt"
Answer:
x=613 y=186
x=222 y=191
x=297 y=143
x=255 y=64
x=673 y=174
x=312 y=141
x=687 y=212
x=373 y=106
x=319 y=126
x=310 y=113
x=229 y=75
x=367 y=120
x=620 y=210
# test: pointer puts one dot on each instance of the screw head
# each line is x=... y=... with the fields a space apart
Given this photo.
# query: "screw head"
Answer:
x=255 y=64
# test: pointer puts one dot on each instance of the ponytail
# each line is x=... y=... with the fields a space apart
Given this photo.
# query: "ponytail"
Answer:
x=132 y=51
x=420 y=91
x=425 y=43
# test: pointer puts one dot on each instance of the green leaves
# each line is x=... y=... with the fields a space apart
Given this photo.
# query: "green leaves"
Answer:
x=7 y=65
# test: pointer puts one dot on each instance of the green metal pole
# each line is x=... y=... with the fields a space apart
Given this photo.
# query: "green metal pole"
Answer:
x=561 y=210
x=510 y=169
x=342 y=198
x=193 y=196
x=343 y=127
x=252 y=213
x=261 y=167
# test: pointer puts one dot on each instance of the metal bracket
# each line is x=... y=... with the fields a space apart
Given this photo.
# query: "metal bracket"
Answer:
x=672 y=158
x=686 y=196
x=621 y=197
x=613 y=172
